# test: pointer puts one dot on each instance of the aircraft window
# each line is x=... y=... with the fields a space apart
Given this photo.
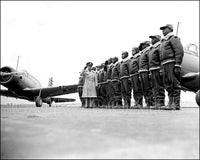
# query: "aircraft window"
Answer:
x=192 y=49
x=24 y=72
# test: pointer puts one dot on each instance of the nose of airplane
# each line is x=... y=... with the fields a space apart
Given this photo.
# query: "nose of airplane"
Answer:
x=6 y=74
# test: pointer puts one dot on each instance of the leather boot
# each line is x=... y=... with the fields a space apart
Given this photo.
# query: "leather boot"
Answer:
x=176 y=102
x=169 y=105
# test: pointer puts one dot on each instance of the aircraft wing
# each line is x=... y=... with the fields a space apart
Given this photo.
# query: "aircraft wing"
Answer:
x=52 y=91
x=8 y=93
x=60 y=100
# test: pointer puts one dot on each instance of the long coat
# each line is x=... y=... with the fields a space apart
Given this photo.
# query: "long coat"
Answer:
x=89 y=87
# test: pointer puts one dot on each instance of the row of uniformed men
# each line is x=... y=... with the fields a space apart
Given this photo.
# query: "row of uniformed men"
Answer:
x=152 y=69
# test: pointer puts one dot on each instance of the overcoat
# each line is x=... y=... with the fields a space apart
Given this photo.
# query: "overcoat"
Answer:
x=89 y=87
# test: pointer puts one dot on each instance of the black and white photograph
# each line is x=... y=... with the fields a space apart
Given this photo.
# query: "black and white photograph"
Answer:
x=99 y=79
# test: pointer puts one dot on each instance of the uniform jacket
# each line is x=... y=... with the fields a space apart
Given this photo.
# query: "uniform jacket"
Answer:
x=109 y=70
x=100 y=76
x=154 y=56
x=144 y=60
x=124 y=68
x=134 y=64
x=81 y=81
x=115 y=71
x=89 y=87
x=171 y=50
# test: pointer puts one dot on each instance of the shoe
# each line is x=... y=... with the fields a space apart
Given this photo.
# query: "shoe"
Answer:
x=155 y=107
x=168 y=107
x=146 y=107
x=137 y=106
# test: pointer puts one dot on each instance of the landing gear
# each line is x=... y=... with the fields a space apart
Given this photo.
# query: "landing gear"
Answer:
x=198 y=97
x=50 y=104
x=38 y=102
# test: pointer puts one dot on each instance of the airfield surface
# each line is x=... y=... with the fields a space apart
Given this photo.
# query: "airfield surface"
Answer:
x=74 y=132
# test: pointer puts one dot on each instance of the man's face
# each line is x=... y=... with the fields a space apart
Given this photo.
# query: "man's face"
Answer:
x=113 y=60
x=134 y=52
x=123 y=55
x=110 y=61
x=154 y=40
x=165 y=31
x=144 y=46
x=89 y=67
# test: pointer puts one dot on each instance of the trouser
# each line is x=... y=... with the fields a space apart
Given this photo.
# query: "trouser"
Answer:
x=103 y=93
x=137 y=89
x=126 y=91
x=116 y=93
x=80 y=92
x=89 y=102
x=147 y=88
x=158 y=87
x=172 y=83
x=109 y=92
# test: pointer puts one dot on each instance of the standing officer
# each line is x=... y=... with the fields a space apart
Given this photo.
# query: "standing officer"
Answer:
x=109 y=83
x=134 y=76
x=100 y=77
x=154 y=68
x=171 y=58
x=80 y=90
x=124 y=79
x=144 y=74
x=116 y=88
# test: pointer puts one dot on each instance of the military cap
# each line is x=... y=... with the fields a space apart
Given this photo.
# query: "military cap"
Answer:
x=145 y=42
x=167 y=26
x=155 y=36
x=124 y=52
x=135 y=49
x=89 y=64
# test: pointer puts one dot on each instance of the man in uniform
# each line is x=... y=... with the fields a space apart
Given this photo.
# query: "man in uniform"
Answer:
x=134 y=76
x=154 y=68
x=144 y=74
x=171 y=58
x=80 y=89
x=124 y=79
x=116 y=88
x=100 y=77
x=109 y=83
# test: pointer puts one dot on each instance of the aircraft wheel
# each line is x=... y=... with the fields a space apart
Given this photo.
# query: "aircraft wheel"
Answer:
x=198 y=97
x=38 y=102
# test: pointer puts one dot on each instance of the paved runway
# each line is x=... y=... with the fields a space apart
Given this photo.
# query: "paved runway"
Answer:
x=74 y=132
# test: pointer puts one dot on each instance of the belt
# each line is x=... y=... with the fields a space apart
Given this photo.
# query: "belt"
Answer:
x=133 y=74
x=124 y=77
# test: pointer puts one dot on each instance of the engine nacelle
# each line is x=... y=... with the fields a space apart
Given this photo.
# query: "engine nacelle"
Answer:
x=198 y=97
x=5 y=77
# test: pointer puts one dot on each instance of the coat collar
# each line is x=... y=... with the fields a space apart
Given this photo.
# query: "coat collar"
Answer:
x=156 y=44
x=168 y=36
x=125 y=59
x=136 y=55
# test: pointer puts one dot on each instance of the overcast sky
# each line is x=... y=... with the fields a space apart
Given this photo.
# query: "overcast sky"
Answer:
x=56 y=39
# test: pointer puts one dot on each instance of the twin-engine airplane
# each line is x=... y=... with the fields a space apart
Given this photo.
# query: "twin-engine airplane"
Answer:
x=24 y=86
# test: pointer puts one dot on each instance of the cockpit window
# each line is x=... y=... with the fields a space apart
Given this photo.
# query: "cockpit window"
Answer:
x=192 y=49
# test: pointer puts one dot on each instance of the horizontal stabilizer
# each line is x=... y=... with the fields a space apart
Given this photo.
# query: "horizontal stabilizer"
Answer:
x=60 y=100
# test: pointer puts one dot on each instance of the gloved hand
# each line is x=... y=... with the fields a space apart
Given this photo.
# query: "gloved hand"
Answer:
x=177 y=70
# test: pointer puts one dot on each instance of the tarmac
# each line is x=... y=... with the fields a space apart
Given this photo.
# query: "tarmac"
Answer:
x=73 y=132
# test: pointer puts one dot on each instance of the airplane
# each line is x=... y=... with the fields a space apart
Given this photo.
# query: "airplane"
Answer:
x=190 y=71
x=24 y=86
